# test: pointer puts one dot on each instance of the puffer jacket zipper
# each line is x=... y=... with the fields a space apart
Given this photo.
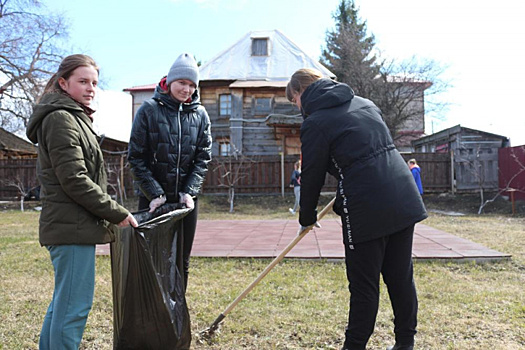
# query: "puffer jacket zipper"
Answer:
x=179 y=150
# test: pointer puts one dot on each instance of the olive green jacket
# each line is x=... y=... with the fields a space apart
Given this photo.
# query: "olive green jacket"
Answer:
x=75 y=206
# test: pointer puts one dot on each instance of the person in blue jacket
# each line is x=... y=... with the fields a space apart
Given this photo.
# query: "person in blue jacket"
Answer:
x=416 y=173
x=345 y=135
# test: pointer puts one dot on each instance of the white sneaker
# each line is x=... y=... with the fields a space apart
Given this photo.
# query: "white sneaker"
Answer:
x=291 y=211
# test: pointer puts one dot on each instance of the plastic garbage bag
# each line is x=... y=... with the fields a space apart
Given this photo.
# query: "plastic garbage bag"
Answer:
x=150 y=310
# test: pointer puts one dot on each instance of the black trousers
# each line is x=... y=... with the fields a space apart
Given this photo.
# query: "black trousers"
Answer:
x=390 y=256
x=189 y=226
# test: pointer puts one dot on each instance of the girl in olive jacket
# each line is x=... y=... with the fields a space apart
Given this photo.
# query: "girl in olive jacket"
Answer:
x=77 y=213
x=377 y=199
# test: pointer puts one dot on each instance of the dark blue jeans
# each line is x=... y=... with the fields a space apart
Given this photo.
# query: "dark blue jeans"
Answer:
x=390 y=256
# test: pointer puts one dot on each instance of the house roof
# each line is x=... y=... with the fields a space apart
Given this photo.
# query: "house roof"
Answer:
x=237 y=63
x=283 y=59
x=447 y=133
x=148 y=87
x=11 y=142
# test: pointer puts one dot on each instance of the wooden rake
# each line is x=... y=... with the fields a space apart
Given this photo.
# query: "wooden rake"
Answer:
x=208 y=332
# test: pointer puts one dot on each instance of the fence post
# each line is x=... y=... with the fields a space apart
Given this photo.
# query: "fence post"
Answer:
x=282 y=173
x=452 y=179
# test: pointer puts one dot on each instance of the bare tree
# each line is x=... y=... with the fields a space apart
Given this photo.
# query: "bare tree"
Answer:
x=29 y=53
x=22 y=190
x=232 y=169
x=405 y=90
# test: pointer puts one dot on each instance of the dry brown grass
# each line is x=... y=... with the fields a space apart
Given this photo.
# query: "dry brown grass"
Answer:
x=300 y=304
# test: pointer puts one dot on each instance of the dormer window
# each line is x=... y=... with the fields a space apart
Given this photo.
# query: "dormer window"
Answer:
x=260 y=47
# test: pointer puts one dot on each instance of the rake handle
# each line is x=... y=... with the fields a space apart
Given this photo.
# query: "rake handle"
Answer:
x=271 y=265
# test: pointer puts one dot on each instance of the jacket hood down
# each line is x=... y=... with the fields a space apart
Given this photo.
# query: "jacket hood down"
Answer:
x=75 y=206
x=48 y=104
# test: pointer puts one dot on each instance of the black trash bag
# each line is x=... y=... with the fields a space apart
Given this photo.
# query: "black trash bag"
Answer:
x=150 y=310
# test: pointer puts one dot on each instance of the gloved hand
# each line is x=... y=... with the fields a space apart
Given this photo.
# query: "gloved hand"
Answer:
x=128 y=221
x=186 y=199
x=156 y=202
x=303 y=228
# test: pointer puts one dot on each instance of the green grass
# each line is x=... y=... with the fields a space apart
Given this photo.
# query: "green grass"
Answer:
x=301 y=304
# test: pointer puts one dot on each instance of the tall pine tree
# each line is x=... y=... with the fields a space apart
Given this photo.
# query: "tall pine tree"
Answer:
x=349 y=51
x=397 y=88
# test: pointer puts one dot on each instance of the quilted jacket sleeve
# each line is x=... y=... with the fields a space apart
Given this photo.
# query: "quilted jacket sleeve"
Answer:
x=202 y=157
x=139 y=155
x=69 y=158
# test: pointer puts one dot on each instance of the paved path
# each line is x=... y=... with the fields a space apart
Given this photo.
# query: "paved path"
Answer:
x=267 y=238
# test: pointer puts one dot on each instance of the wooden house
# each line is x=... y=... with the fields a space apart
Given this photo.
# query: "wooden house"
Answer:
x=243 y=90
x=14 y=147
x=244 y=85
x=17 y=165
x=474 y=155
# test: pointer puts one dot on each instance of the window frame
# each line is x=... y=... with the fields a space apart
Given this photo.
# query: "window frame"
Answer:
x=228 y=108
x=260 y=47
x=264 y=110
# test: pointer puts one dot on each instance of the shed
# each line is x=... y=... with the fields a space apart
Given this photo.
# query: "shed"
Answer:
x=15 y=147
x=474 y=154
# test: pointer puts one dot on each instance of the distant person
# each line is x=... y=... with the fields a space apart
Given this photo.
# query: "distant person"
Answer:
x=295 y=182
x=77 y=213
x=170 y=146
x=416 y=173
x=378 y=202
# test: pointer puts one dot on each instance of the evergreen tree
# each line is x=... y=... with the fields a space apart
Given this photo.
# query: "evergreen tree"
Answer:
x=399 y=89
x=349 y=50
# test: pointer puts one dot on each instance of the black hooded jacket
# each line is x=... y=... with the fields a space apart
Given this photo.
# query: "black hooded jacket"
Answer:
x=170 y=146
x=345 y=135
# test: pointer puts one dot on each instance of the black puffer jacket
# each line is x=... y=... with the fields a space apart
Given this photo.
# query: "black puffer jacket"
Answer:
x=170 y=146
x=346 y=136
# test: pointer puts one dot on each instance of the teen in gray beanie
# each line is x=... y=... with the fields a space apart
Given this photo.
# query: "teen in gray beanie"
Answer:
x=173 y=128
x=184 y=67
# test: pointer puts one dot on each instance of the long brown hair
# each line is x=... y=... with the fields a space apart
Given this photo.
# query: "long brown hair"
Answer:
x=300 y=80
x=66 y=68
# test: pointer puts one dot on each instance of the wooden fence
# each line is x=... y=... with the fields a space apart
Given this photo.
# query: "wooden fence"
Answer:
x=512 y=170
x=262 y=175
x=436 y=170
x=268 y=175
x=15 y=173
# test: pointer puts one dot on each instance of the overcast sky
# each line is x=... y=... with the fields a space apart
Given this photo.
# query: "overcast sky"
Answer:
x=482 y=42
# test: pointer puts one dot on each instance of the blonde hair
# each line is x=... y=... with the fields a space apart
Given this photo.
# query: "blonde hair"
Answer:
x=300 y=80
x=66 y=68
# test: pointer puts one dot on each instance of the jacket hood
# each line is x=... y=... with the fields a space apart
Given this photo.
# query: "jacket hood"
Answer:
x=161 y=95
x=325 y=93
x=49 y=103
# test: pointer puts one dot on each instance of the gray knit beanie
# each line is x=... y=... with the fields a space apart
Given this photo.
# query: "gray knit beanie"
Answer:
x=184 y=67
